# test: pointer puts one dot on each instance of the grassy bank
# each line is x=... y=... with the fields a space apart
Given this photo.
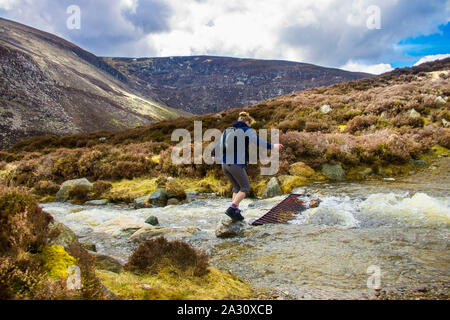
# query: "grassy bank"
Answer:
x=171 y=285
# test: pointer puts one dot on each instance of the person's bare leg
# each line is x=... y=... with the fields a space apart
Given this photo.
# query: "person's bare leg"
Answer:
x=234 y=196
x=238 y=199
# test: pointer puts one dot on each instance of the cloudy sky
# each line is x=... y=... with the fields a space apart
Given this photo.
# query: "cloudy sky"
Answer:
x=359 y=35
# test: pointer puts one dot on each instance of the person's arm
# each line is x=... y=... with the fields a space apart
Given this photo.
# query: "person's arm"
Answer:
x=253 y=138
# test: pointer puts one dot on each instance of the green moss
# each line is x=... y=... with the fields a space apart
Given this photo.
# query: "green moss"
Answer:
x=392 y=170
x=170 y=284
x=288 y=183
x=47 y=199
x=439 y=150
x=259 y=187
x=359 y=173
x=128 y=190
x=210 y=184
x=57 y=261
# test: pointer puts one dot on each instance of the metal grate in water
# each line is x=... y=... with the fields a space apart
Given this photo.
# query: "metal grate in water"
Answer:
x=284 y=211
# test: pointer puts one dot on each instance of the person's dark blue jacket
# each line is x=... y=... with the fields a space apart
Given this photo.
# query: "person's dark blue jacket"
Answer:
x=250 y=137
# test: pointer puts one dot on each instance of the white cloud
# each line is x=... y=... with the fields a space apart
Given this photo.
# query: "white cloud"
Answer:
x=373 y=69
x=326 y=32
x=7 y=4
x=432 y=58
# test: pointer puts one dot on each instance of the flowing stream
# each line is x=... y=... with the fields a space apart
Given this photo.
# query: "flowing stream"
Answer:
x=400 y=227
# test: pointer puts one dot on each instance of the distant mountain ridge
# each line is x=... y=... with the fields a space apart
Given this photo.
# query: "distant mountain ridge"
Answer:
x=206 y=84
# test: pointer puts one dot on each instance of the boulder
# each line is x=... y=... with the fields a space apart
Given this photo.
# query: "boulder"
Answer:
x=441 y=100
x=120 y=226
x=66 y=187
x=229 y=229
x=159 y=198
x=325 y=109
x=149 y=232
x=102 y=202
x=414 y=114
x=142 y=203
x=333 y=172
x=103 y=262
x=273 y=189
x=301 y=169
x=175 y=190
x=152 y=220
x=65 y=237
x=289 y=183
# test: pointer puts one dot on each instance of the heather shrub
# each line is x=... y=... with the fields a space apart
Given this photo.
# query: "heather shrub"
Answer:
x=129 y=170
x=318 y=125
x=444 y=139
x=153 y=256
x=360 y=123
x=27 y=263
x=90 y=164
x=66 y=165
x=405 y=120
x=24 y=226
x=44 y=188
x=8 y=157
x=100 y=187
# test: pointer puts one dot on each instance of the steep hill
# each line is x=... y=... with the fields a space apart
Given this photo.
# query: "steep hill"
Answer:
x=381 y=127
x=206 y=84
x=51 y=86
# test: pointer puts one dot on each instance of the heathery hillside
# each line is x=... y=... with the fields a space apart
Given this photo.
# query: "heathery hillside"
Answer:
x=205 y=84
x=380 y=127
x=50 y=86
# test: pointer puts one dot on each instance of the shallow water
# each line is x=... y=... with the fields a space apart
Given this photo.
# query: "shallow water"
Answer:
x=400 y=227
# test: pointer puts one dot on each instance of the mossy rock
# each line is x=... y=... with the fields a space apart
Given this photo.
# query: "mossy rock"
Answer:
x=66 y=236
x=273 y=189
x=152 y=220
x=103 y=262
x=57 y=261
x=334 y=172
x=142 y=203
x=67 y=187
x=175 y=190
x=159 y=198
x=392 y=170
x=301 y=169
x=359 y=173
x=289 y=183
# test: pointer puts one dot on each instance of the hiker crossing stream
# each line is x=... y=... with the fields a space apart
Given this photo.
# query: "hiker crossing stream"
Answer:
x=324 y=252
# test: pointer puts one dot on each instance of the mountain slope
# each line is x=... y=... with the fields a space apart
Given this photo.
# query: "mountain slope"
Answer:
x=205 y=84
x=50 y=86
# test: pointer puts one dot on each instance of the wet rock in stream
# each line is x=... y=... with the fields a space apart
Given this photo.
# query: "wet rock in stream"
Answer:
x=229 y=229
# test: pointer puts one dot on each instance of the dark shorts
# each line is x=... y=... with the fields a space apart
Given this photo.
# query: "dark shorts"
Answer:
x=238 y=178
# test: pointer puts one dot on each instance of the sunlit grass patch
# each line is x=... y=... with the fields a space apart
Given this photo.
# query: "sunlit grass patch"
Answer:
x=170 y=284
x=128 y=190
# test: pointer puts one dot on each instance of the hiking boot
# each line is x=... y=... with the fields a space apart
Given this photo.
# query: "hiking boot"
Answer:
x=234 y=214
x=238 y=215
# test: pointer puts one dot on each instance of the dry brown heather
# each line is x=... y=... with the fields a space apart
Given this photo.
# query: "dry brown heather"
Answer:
x=370 y=125
x=27 y=270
